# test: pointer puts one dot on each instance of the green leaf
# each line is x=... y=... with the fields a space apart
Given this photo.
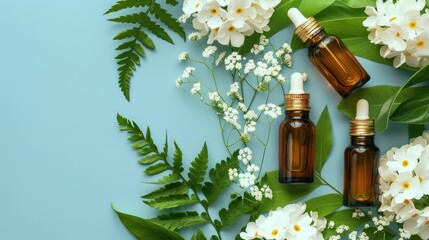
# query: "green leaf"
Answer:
x=144 y=39
x=176 y=188
x=325 y=204
x=421 y=203
x=157 y=168
x=372 y=233
x=343 y=217
x=144 y=229
x=167 y=179
x=219 y=178
x=168 y=20
x=415 y=130
x=128 y=126
x=323 y=140
x=124 y=4
x=311 y=7
x=177 y=159
x=199 y=235
x=126 y=34
x=377 y=96
x=236 y=209
x=171 y=201
x=178 y=220
x=285 y=193
x=359 y=3
x=386 y=110
x=149 y=159
x=413 y=111
x=198 y=168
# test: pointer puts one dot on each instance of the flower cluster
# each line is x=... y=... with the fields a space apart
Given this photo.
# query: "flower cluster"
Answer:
x=289 y=222
x=404 y=186
x=402 y=30
x=228 y=21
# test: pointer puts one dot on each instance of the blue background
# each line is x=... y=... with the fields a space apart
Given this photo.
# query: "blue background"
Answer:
x=63 y=161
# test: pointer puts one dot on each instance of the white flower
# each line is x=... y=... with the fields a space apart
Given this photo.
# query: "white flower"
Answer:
x=271 y=110
x=183 y=56
x=394 y=37
x=245 y=155
x=220 y=58
x=195 y=36
x=196 y=87
x=231 y=116
x=405 y=187
x=420 y=44
x=191 y=6
x=212 y=14
x=233 y=61
x=233 y=173
x=240 y=11
x=228 y=33
x=249 y=66
x=251 y=232
x=256 y=193
x=267 y=4
x=246 y=179
x=405 y=160
x=214 y=97
x=208 y=51
x=252 y=168
x=188 y=72
x=179 y=82
x=233 y=91
x=241 y=106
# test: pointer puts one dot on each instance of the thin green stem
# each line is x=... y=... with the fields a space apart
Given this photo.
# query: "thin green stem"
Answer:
x=327 y=183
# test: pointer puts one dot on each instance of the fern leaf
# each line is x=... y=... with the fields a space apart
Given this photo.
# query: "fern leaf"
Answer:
x=177 y=220
x=149 y=159
x=124 y=4
x=165 y=149
x=129 y=126
x=155 y=28
x=168 y=20
x=129 y=18
x=198 y=168
x=128 y=33
x=199 y=235
x=171 y=201
x=176 y=188
x=235 y=210
x=177 y=159
x=167 y=179
x=157 y=168
x=145 y=40
x=214 y=237
x=219 y=178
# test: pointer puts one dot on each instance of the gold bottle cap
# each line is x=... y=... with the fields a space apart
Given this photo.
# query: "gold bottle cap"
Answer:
x=362 y=125
x=308 y=29
x=297 y=101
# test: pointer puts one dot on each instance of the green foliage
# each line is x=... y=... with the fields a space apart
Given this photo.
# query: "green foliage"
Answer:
x=372 y=233
x=325 y=204
x=181 y=191
x=387 y=109
x=422 y=202
x=343 y=217
x=359 y=3
x=144 y=229
x=377 y=96
x=146 y=18
x=415 y=130
x=199 y=235
x=323 y=140
x=413 y=111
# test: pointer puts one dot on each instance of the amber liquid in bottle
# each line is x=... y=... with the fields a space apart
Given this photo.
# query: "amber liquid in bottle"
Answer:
x=296 y=148
x=336 y=63
x=360 y=172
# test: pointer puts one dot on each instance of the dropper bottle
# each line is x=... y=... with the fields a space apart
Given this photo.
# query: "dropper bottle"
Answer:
x=361 y=159
x=329 y=54
x=296 y=136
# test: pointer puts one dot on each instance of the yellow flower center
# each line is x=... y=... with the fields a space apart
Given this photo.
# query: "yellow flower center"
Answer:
x=392 y=19
x=231 y=29
x=412 y=24
x=213 y=11
x=420 y=43
x=406 y=201
x=274 y=232
x=405 y=185
x=256 y=234
x=420 y=179
x=297 y=228
x=197 y=5
x=397 y=34
x=427 y=222
x=405 y=163
x=407 y=54
x=216 y=30
x=239 y=11
x=414 y=215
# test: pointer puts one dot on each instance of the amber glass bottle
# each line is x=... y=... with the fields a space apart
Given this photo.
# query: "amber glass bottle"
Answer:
x=296 y=138
x=329 y=54
x=361 y=159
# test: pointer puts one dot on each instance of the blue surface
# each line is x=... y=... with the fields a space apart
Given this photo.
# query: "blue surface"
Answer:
x=63 y=161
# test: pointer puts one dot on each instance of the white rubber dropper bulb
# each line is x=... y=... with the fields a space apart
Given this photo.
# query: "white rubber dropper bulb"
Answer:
x=296 y=83
x=296 y=16
x=362 y=109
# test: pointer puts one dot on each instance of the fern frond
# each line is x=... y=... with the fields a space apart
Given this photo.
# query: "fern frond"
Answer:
x=124 y=4
x=171 y=178
x=176 y=188
x=172 y=2
x=198 y=168
x=199 y=235
x=171 y=201
x=177 y=159
x=236 y=209
x=168 y=20
x=178 y=220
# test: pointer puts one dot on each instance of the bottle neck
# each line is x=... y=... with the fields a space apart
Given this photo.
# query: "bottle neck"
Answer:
x=362 y=140
x=297 y=114
x=315 y=38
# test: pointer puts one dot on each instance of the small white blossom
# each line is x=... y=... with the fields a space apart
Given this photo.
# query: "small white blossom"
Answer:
x=195 y=36
x=252 y=168
x=245 y=155
x=246 y=179
x=331 y=224
x=220 y=58
x=188 y=72
x=208 y=51
x=270 y=110
x=179 y=82
x=196 y=87
x=183 y=56
x=233 y=173
x=342 y=228
x=184 y=17
x=214 y=97
x=231 y=116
